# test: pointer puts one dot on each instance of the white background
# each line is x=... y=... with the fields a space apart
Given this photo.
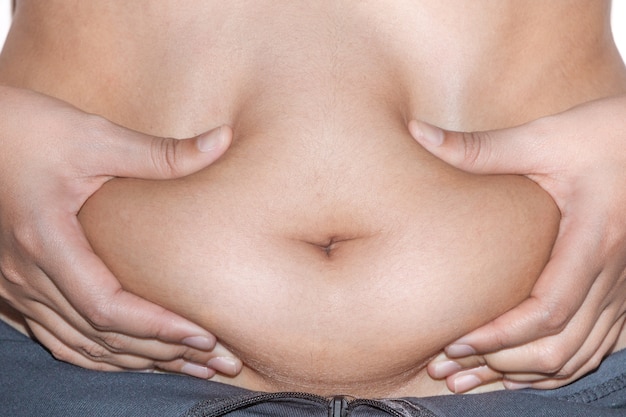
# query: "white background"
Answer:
x=619 y=22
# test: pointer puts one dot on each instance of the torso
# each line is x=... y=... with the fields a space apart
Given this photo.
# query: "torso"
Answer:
x=326 y=249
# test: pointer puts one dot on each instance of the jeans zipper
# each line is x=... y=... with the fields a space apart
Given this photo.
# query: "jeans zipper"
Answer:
x=338 y=406
x=376 y=404
x=260 y=398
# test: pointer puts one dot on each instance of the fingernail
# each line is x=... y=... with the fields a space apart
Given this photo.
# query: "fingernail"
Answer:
x=429 y=133
x=225 y=365
x=200 y=342
x=211 y=140
x=460 y=351
x=512 y=385
x=465 y=383
x=197 y=371
x=444 y=369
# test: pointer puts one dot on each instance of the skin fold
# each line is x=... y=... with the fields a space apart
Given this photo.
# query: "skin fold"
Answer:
x=323 y=202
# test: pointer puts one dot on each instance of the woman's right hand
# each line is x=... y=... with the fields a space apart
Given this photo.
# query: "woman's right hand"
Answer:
x=53 y=158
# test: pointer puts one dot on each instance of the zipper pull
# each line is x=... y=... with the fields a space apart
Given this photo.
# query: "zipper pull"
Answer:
x=338 y=407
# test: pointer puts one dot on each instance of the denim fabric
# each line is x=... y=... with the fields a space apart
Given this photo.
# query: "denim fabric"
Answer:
x=33 y=383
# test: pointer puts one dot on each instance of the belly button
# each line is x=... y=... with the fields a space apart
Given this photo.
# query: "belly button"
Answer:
x=329 y=247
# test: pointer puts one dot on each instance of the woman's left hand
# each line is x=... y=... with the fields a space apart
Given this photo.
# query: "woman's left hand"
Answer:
x=576 y=310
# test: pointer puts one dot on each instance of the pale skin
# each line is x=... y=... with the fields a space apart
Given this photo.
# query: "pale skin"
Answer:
x=95 y=324
x=109 y=349
x=577 y=309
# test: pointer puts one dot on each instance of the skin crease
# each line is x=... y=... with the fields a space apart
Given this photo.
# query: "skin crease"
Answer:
x=447 y=97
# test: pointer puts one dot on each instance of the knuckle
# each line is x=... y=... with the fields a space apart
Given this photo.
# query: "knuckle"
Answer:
x=15 y=274
x=112 y=342
x=94 y=352
x=62 y=353
x=165 y=156
x=472 y=148
x=91 y=351
x=551 y=360
x=572 y=368
x=98 y=127
x=565 y=372
x=501 y=338
x=99 y=317
x=24 y=240
x=476 y=149
x=553 y=317
x=594 y=362
x=59 y=350
x=9 y=272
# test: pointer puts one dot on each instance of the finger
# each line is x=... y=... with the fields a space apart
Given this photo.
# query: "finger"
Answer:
x=563 y=355
x=104 y=346
x=443 y=367
x=82 y=351
x=592 y=364
x=104 y=303
x=125 y=153
x=85 y=354
x=600 y=341
x=113 y=363
x=517 y=150
x=596 y=346
x=224 y=361
x=593 y=351
x=556 y=297
x=468 y=380
x=515 y=381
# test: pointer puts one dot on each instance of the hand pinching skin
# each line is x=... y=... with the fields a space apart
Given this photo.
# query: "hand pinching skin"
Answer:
x=577 y=308
x=54 y=157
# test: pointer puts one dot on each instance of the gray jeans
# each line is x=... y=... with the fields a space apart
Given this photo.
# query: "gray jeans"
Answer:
x=33 y=383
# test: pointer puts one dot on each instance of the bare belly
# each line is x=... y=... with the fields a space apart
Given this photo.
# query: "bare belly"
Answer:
x=341 y=271
x=326 y=249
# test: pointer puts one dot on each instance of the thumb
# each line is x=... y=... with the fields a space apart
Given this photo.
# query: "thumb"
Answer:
x=504 y=151
x=137 y=155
